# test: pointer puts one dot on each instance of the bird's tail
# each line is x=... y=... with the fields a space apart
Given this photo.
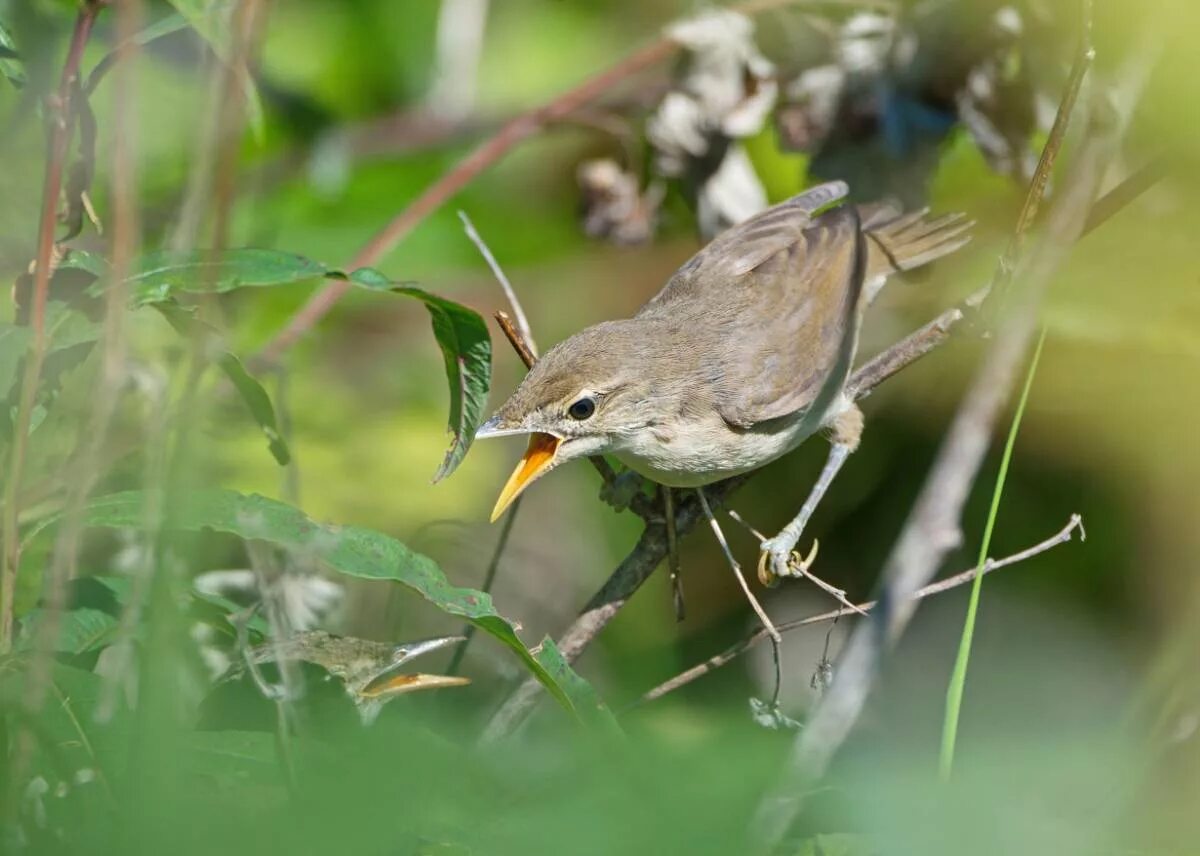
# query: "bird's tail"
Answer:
x=906 y=241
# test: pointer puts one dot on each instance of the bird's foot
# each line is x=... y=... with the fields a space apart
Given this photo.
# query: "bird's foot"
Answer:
x=779 y=558
x=619 y=492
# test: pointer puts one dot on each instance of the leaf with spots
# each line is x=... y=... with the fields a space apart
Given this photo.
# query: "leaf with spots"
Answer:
x=160 y=276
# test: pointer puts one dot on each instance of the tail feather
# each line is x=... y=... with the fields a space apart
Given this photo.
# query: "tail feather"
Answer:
x=910 y=240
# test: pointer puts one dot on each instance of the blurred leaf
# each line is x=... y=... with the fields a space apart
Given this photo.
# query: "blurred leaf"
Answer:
x=587 y=701
x=160 y=275
x=217 y=610
x=162 y=27
x=256 y=398
x=68 y=328
x=230 y=758
x=211 y=19
x=79 y=630
x=14 y=342
x=358 y=553
x=838 y=844
x=251 y=391
x=10 y=60
x=70 y=334
x=85 y=261
x=462 y=335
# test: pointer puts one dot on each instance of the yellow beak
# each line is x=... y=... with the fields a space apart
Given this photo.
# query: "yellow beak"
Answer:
x=536 y=460
x=391 y=685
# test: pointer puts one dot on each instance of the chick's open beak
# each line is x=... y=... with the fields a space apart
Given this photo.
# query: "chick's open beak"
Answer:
x=392 y=680
x=537 y=459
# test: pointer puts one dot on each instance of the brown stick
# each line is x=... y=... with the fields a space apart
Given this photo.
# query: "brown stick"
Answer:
x=734 y=651
x=515 y=338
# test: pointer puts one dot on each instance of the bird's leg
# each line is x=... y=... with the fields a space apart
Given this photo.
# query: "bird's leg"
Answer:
x=776 y=558
x=673 y=552
x=838 y=594
x=762 y=613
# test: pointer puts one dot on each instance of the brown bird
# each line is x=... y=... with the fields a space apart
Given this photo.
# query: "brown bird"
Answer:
x=743 y=355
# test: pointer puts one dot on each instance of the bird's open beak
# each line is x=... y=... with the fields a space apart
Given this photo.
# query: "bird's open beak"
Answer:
x=392 y=681
x=537 y=459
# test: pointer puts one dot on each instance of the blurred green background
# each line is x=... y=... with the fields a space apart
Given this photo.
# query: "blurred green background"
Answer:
x=1082 y=703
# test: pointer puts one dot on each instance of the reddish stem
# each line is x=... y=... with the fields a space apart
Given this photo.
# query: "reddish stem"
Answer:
x=515 y=131
x=60 y=119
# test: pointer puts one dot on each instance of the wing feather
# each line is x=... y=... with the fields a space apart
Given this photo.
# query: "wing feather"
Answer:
x=768 y=311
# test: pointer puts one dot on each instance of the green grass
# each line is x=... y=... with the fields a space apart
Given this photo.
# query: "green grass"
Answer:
x=958 y=679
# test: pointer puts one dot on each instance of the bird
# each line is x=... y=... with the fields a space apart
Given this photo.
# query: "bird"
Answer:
x=743 y=355
x=372 y=673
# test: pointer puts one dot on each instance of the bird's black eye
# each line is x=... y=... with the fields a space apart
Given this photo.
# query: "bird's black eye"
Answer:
x=582 y=409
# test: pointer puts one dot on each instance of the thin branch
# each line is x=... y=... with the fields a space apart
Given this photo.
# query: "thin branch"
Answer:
x=763 y=618
x=931 y=336
x=524 y=351
x=60 y=115
x=521 y=338
x=1124 y=193
x=498 y=272
x=836 y=593
x=510 y=135
x=962 y=578
x=436 y=195
x=1054 y=142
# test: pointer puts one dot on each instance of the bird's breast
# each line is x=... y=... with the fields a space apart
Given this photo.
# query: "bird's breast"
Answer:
x=696 y=452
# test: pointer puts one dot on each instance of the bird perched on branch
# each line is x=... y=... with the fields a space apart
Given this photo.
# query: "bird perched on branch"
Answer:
x=743 y=355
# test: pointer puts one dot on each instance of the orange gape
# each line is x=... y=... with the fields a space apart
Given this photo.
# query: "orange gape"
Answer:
x=536 y=460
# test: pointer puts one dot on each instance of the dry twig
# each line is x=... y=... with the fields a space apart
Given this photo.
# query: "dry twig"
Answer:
x=962 y=578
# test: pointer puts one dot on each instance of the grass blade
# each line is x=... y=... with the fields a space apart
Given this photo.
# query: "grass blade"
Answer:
x=958 y=678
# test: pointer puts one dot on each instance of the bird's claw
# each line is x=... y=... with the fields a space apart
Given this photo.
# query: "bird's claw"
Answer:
x=779 y=560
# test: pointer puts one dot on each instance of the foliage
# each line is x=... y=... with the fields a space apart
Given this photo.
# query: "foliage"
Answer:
x=163 y=563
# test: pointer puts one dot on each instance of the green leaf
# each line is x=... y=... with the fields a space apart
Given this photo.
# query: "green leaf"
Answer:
x=161 y=275
x=85 y=261
x=164 y=26
x=588 y=704
x=250 y=390
x=462 y=335
x=357 y=553
x=79 y=630
x=11 y=65
x=467 y=352
x=14 y=344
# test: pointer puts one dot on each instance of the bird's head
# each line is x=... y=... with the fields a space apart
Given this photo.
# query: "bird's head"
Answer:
x=579 y=399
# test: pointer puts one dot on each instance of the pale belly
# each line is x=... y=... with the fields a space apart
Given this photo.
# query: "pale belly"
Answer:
x=696 y=454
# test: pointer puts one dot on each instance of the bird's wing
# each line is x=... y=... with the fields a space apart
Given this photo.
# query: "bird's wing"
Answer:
x=769 y=309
